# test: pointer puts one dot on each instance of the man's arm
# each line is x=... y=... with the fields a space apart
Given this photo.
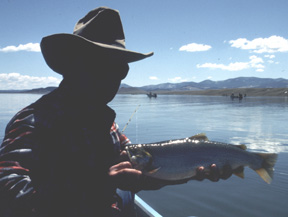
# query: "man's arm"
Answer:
x=16 y=160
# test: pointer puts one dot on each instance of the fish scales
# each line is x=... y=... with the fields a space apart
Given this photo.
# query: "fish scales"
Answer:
x=179 y=159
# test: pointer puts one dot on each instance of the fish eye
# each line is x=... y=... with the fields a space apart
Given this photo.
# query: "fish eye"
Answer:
x=133 y=158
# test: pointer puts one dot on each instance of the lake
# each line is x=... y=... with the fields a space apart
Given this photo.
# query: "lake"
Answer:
x=258 y=122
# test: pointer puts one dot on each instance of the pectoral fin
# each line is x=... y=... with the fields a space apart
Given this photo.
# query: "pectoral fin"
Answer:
x=154 y=170
x=267 y=170
x=243 y=147
x=239 y=172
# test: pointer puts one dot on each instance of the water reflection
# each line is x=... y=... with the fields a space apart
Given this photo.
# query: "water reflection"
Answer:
x=262 y=143
x=258 y=122
x=262 y=130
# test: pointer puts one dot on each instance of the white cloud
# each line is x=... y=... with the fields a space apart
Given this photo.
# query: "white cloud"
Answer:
x=33 y=47
x=17 y=81
x=237 y=66
x=193 y=47
x=262 y=45
x=153 y=78
x=177 y=79
x=255 y=62
x=259 y=70
x=270 y=56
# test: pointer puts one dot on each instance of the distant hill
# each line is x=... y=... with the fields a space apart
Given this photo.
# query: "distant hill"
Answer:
x=41 y=90
x=241 y=82
x=233 y=83
x=36 y=90
x=130 y=90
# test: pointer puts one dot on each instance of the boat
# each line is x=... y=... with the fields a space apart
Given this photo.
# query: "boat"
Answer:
x=240 y=96
x=150 y=95
x=143 y=209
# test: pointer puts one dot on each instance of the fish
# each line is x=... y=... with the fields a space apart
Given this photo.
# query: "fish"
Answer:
x=175 y=160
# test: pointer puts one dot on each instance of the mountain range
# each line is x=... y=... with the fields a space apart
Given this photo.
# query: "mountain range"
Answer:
x=240 y=82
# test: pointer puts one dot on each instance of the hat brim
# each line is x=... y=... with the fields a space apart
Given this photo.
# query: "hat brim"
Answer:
x=62 y=51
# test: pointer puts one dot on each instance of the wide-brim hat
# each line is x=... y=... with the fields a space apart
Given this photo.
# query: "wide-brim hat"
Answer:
x=99 y=33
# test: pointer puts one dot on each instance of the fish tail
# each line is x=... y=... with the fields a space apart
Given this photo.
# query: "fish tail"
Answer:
x=267 y=170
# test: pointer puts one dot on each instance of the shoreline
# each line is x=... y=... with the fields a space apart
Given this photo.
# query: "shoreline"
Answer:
x=279 y=92
x=219 y=92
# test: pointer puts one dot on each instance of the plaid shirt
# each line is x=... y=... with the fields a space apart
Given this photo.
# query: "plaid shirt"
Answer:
x=119 y=139
x=17 y=192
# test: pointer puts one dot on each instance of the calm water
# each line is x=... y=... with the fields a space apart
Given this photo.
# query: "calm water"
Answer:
x=258 y=122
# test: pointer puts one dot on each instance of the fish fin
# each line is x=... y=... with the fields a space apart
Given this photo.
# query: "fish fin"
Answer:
x=239 y=172
x=243 y=147
x=267 y=170
x=264 y=175
x=200 y=136
x=154 y=171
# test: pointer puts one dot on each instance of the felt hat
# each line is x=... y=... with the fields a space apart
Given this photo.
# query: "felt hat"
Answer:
x=98 y=34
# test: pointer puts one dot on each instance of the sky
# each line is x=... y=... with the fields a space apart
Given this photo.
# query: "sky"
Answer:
x=192 y=40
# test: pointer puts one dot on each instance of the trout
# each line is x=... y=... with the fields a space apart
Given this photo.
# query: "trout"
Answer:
x=179 y=159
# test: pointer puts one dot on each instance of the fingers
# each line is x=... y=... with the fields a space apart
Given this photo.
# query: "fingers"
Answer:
x=120 y=166
x=122 y=169
x=124 y=176
x=200 y=174
x=227 y=172
x=213 y=173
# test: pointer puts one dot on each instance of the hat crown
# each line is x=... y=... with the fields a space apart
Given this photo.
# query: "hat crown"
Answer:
x=99 y=32
x=101 y=25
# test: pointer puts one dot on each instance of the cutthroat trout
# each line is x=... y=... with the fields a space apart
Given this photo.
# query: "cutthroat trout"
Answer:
x=179 y=159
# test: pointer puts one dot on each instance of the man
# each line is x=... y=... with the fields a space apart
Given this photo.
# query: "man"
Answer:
x=62 y=155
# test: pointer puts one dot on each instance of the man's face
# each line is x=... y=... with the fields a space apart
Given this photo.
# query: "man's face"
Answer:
x=103 y=81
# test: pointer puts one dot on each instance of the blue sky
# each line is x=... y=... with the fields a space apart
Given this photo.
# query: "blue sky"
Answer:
x=193 y=40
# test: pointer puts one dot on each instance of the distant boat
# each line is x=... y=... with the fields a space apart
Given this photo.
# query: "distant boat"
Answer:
x=150 y=95
x=240 y=96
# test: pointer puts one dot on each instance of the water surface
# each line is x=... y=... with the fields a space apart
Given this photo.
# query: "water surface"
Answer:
x=258 y=122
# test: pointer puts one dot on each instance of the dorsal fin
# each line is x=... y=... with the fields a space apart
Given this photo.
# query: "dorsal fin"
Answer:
x=243 y=147
x=200 y=136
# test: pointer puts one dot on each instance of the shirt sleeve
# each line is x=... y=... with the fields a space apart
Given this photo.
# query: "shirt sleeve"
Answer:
x=119 y=139
x=16 y=159
x=123 y=139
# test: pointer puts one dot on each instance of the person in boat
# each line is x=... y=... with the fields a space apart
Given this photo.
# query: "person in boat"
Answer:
x=63 y=155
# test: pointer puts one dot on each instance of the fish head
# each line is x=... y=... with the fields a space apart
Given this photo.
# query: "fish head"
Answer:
x=139 y=158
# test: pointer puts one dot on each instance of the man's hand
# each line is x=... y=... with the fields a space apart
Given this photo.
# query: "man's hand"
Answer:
x=213 y=173
x=124 y=176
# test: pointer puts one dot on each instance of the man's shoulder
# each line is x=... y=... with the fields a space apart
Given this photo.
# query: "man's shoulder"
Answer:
x=48 y=110
x=42 y=113
x=22 y=118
